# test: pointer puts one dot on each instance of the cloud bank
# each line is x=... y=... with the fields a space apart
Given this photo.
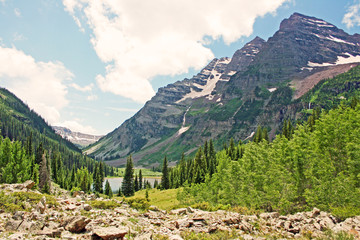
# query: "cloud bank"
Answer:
x=352 y=16
x=142 y=39
x=40 y=84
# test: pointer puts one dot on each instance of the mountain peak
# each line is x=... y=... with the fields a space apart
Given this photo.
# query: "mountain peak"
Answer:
x=297 y=20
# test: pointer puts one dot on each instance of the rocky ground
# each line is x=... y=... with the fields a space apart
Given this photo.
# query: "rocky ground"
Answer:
x=72 y=217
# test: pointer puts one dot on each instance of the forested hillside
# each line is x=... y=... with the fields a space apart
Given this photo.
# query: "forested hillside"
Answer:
x=318 y=165
x=312 y=163
x=30 y=149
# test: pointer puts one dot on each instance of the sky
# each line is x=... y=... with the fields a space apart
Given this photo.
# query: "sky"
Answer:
x=89 y=65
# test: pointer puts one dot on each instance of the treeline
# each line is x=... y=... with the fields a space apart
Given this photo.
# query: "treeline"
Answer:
x=315 y=164
x=47 y=155
x=131 y=183
x=19 y=163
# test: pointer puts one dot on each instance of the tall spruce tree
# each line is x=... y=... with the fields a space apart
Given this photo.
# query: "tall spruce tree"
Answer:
x=165 y=183
x=44 y=175
x=108 y=190
x=136 y=183
x=128 y=181
x=140 y=180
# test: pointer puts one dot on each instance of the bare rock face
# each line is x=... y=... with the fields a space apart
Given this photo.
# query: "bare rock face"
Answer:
x=76 y=224
x=109 y=233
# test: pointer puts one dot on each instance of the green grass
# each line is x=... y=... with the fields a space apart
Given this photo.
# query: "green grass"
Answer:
x=197 y=111
x=145 y=172
x=163 y=199
x=15 y=201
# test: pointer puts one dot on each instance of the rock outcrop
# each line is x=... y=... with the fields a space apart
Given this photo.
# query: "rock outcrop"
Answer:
x=77 y=223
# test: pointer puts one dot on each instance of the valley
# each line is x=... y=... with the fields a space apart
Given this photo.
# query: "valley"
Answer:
x=262 y=145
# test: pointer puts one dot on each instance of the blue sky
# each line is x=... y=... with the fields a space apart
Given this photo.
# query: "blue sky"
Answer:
x=89 y=65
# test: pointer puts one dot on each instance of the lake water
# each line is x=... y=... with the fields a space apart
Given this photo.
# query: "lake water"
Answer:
x=115 y=183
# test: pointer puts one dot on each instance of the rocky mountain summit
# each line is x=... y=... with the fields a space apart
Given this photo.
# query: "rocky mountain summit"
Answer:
x=80 y=139
x=77 y=217
x=230 y=97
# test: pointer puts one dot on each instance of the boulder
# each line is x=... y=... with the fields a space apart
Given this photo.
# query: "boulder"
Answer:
x=154 y=208
x=18 y=215
x=175 y=237
x=53 y=233
x=269 y=215
x=77 y=224
x=109 y=233
x=315 y=212
x=17 y=236
x=87 y=207
x=41 y=206
x=29 y=184
x=12 y=225
x=178 y=211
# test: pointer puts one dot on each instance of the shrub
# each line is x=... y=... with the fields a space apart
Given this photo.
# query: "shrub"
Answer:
x=104 y=204
x=138 y=203
x=345 y=212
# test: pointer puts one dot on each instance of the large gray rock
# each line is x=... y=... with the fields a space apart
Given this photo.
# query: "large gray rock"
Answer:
x=109 y=233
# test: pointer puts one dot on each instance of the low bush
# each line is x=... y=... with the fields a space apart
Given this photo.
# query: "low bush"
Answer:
x=138 y=203
x=100 y=204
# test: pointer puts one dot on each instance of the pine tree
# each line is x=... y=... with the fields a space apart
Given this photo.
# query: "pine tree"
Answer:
x=140 y=180
x=147 y=195
x=199 y=167
x=108 y=190
x=156 y=183
x=101 y=173
x=128 y=181
x=119 y=194
x=212 y=158
x=44 y=176
x=28 y=145
x=258 y=135
x=265 y=135
x=136 y=184
x=231 y=150
x=206 y=155
x=165 y=184
x=39 y=153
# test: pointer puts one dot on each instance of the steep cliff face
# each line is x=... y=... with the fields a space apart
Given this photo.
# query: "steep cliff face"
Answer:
x=231 y=96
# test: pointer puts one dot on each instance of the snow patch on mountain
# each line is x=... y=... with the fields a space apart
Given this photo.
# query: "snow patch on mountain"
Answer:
x=213 y=77
x=340 y=60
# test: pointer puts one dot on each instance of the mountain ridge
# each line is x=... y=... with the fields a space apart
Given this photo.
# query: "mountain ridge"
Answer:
x=231 y=97
x=77 y=138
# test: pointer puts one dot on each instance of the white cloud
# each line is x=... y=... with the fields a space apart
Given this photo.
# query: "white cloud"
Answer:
x=17 y=12
x=142 y=39
x=87 y=88
x=75 y=126
x=39 y=84
x=352 y=16
x=92 y=97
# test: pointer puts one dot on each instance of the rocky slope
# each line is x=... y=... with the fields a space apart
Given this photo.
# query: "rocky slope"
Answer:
x=77 y=138
x=69 y=217
x=231 y=97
